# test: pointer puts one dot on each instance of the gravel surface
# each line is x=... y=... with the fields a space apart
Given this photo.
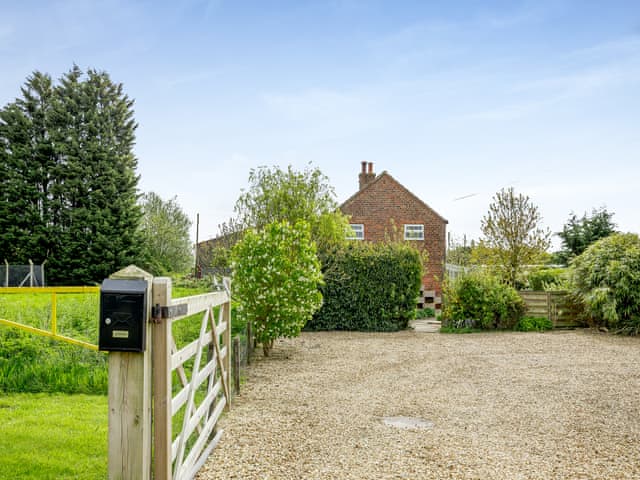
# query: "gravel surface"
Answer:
x=561 y=405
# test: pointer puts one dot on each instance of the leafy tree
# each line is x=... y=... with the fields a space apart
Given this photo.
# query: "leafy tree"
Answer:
x=578 y=233
x=275 y=195
x=513 y=234
x=68 y=185
x=276 y=279
x=165 y=235
x=606 y=279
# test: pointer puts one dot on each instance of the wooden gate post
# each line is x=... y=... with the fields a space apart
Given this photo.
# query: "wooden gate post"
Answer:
x=162 y=383
x=130 y=401
x=226 y=317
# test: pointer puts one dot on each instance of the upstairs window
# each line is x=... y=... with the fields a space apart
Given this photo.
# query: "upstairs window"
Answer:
x=413 y=232
x=358 y=231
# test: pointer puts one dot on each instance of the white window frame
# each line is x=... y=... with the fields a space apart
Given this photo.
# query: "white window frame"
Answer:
x=358 y=231
x=414 y=231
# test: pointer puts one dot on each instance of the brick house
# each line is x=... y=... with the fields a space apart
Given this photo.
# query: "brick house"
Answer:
x=382 y=208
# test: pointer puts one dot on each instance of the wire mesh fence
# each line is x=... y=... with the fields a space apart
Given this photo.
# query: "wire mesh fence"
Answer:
x=22 y=275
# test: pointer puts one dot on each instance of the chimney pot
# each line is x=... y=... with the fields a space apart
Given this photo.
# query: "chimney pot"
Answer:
x=366 y=177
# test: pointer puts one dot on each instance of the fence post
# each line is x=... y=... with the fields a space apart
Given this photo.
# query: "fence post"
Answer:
x=130 y=402
x=249 y=343
x=161 y=382
x=236 y=364
x=226 y=317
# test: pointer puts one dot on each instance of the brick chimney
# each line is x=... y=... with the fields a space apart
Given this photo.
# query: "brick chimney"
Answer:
x=366 y=175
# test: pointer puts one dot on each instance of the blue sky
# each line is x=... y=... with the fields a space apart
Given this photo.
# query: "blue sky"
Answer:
x=453 y=98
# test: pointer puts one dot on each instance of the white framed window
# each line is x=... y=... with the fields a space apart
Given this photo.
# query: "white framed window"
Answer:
x=413 y=232
x=358 y=231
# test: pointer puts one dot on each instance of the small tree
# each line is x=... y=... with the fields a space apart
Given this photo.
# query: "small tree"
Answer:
x=275 y=195
x=513 y=234
x=164 y=230
x=578 y=234
x=276 y=279
x=606 y=279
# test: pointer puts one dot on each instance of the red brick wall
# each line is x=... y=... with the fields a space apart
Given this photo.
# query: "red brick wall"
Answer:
x=384 y=207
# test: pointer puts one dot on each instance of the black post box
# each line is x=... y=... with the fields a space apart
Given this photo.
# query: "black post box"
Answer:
x=123 y=315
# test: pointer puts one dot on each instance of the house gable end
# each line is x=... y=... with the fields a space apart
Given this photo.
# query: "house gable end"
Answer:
x=374 y=195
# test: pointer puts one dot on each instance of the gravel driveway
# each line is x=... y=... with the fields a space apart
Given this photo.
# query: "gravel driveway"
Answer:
x=561 y=405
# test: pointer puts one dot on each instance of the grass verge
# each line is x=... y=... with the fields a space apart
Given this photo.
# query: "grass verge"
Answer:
x=47 y=437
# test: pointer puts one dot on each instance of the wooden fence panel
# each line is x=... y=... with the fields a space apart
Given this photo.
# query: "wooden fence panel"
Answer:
x=556 y=306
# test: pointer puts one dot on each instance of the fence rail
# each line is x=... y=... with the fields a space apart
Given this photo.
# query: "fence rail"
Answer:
x=53 y=331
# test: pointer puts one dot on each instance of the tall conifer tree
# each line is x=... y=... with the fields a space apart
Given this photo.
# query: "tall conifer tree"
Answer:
x=70 y=165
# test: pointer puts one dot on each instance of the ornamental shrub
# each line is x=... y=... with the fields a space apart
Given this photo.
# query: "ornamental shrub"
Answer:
x=369 y=287
x=479 y=300
x=276 y=279
x=606 y=280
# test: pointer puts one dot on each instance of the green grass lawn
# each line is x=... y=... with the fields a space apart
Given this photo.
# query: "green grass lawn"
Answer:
x=57 y=437
x=51 y=435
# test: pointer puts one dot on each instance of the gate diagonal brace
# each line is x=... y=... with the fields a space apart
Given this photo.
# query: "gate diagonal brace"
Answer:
x=159 y=312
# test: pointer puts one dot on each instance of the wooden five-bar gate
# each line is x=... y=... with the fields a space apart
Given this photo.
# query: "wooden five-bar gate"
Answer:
x=179 y=389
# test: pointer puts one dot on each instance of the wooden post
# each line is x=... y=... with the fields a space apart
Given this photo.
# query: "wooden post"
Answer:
x=249 y=344
x=226 y=316
x=236 y=364
x=162 y=393
x=130 y=402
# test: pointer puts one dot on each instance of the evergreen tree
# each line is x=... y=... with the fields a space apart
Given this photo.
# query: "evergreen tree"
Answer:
x=26 y=161
x=70 y=171
x=577 y=234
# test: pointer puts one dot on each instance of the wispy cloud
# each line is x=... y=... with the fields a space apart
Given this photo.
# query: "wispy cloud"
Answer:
x=315 y=103
x=170 y=81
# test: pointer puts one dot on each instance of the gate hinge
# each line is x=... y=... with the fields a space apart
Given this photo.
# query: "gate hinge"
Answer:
x=159 y=312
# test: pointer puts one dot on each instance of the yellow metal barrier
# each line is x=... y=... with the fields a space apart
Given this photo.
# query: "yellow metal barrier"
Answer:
x=53 y=333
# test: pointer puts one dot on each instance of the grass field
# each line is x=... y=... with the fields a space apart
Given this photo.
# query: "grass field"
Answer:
x=53 y=437
x=46 y=434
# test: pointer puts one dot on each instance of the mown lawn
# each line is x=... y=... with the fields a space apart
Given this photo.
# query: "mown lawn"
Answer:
x=57 y=437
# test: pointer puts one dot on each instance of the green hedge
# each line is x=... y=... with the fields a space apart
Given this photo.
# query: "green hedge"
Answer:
x=369 y=287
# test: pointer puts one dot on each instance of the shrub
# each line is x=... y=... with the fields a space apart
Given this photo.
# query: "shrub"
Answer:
x=369 y=287
x=426 y=312
x=606 y=279
x=533 y=324
x=480 y=300
x=276 y=279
